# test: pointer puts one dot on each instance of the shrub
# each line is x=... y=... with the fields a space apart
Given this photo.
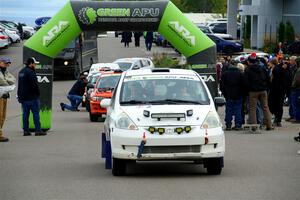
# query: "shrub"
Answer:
x=163 y=60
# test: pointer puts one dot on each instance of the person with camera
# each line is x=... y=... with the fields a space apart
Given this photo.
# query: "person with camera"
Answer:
x=6 y=79
x=75 y=94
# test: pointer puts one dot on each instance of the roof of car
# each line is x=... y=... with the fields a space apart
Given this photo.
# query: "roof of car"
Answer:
x=129 y=59
x=160 y=71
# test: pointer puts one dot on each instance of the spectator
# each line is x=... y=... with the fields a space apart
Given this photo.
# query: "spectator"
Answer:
x=20 y=29
x=232 y=88
x=295 y=93
x=292 y=70
x=126 y=38
x=75 y=94
x=137 y=36
x=278 y=89
x=257 y=82
x=149 y=40
x=280 y=49
x=6 y=79
x=28 y=96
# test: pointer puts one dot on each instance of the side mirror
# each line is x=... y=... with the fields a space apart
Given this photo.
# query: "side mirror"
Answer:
x=220 y=101
x=135 y=67
x=89 y=86
x=105 y=103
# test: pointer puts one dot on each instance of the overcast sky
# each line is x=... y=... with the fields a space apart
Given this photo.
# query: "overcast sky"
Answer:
x=28 y=10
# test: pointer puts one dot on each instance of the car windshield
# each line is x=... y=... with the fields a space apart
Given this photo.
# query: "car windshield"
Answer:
x=164 y=89
x=124 y=65
x=108 y=82
x=94 y=79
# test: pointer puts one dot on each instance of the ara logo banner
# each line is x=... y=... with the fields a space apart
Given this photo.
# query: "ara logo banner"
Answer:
x=208 y=78
x=55 y=32
x=182 y=32
x=42 y=79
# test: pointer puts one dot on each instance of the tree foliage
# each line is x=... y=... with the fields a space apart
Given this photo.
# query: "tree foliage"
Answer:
x=289 y=33
x=202 y=6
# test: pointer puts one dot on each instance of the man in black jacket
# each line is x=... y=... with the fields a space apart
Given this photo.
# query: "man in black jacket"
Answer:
x=257 y=82
x=75 y=94
x=232 y=87
x=28 y=96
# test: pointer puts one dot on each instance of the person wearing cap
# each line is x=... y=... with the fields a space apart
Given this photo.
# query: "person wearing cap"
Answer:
x=6 y=79
x=257 y=82
x=75 y=94
x=28 y=96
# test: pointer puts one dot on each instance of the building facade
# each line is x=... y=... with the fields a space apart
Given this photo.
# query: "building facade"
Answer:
x=265 y=17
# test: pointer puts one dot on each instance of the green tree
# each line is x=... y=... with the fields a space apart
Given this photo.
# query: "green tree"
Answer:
x=289 y=33
x=281 y=32
x=219 y=6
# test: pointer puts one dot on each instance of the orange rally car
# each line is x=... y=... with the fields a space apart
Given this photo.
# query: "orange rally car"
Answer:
x=103 y=89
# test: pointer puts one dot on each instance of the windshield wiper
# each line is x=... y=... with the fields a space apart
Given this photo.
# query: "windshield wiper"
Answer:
x=133 y=102
x=175 y=101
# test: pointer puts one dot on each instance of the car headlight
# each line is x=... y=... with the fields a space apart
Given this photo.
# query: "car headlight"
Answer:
x=124 y=122
x=212 y=120
x=66 y=63
x=96 y=98
x=238 y=44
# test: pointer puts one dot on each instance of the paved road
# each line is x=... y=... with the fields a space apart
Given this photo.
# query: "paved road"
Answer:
x=66 y=164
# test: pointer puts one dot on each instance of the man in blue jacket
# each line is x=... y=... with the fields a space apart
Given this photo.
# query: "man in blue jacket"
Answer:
x=75 y=94
x=28 y=96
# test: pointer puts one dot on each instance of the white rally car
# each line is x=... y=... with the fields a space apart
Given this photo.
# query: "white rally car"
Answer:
x=162 y=114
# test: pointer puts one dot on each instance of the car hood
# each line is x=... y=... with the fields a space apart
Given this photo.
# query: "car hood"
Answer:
x=136 y=114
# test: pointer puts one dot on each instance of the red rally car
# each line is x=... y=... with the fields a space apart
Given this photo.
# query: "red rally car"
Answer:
x=103 y=89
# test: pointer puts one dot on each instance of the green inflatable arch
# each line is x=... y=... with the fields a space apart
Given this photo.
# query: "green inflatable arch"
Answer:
x=78 y=16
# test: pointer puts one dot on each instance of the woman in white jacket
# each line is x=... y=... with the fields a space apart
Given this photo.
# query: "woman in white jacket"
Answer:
x=7 y=81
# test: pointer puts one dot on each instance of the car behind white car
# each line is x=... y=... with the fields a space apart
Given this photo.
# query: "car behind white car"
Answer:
x=163 y=114
x=134 y=63
x=97 y=67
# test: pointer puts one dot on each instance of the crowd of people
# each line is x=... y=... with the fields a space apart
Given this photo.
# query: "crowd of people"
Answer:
x=258 y=87
x=127 y=38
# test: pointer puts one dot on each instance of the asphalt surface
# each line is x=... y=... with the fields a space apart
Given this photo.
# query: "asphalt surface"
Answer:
x=66 y=164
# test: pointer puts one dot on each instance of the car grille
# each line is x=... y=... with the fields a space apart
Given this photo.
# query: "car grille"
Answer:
x=172 y=149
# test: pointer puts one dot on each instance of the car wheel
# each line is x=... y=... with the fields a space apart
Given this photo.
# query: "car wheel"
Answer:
x=76 y=73
x=119 y=167
x=87 y=106
x=228 y=50
x=101 y=119
x=214 y=165
x=93 y=118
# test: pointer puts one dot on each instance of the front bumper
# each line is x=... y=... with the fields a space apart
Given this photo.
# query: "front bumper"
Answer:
x=186 y=146
x=95 y=108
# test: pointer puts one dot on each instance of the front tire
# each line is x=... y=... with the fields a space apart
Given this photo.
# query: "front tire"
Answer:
x=93 y=118
x=214 y=165
x=119 y=167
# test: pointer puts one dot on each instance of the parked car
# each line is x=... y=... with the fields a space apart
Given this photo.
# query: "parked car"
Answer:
x=134 y=63
x=163 y=114
x=226 y=46
x=13 y=36
x=92 y=80
x=97 y=67
x=104 y=88
x=4 y=40
x=207 y=30
x=221 y=27
x=243 y=57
